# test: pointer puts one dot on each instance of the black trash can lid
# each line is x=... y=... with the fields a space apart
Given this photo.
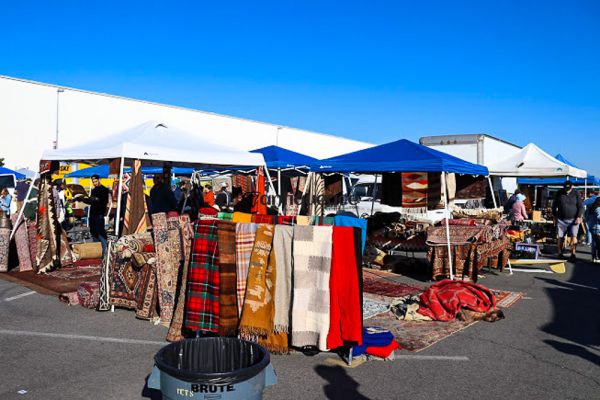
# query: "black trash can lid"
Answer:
x=213 y=360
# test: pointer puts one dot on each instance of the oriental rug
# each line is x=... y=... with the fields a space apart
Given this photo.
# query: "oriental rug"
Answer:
x=48 y=284
x=414 y=190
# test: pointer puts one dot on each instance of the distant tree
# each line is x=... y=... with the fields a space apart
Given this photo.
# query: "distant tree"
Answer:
x=1 y=161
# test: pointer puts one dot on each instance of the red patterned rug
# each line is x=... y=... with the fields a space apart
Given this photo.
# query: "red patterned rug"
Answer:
x=63 y=280
x=381 y=283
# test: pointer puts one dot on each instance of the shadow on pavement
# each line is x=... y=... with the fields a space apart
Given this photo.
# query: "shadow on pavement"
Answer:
x=151 y=394
x=576 y=304
x=340 y=385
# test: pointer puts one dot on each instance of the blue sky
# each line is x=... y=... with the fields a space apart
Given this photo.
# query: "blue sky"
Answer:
x=375 y=71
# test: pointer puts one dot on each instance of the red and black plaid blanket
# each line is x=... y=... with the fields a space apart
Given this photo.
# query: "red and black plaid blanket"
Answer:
x=202 y=301
x=443 y=300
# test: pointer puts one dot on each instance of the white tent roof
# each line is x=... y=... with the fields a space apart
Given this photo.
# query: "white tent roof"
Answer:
x=155 y=143
x=532 y=161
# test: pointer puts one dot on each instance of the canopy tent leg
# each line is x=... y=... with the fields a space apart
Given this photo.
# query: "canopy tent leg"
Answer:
x=271 y=186
x=119 y=195
x=89 y=207
x=374 y=194
x=492 y=191
x=585 y=188
x=14 y=228
x=279 y=190
x=446 y=199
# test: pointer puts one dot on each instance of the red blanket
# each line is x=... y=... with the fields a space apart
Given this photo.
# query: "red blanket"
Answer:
x=443 y=300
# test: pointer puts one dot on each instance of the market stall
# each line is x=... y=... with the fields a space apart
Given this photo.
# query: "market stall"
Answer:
x=410 y=170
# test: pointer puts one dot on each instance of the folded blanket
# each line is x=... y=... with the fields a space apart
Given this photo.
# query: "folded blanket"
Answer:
x=443 y=300
x=282 y=246
x=342 y=220
x=312 y=266
x=242 y=217
x=373 y=336
x=383 y=351
x=228 y=312
x=259 y=305
x=202 y=301
x=245 y=235
x=345 y=305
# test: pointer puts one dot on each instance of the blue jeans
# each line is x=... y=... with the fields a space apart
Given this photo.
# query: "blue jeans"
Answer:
x=588 y=238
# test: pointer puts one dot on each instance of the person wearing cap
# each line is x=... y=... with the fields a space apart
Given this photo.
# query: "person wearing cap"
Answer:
x=518 y=211
x=567 y=210
x=223 y=197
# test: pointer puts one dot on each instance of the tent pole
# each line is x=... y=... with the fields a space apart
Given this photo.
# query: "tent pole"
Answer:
x=448 y=228
x=14 y=228
x=119 y=195
x=492 y=191
x=374 y=194
x=585 y=188
x=266 y=170
x=279 y=189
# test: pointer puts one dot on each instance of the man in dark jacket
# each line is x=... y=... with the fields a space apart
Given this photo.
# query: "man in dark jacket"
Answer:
x=162 y=198
x=567 y=210
x=98 y=200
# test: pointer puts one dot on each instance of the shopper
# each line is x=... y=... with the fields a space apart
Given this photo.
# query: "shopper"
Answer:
x=588 y=204
x=98 y=200
x=5 y=201
x=518 y=211
x=593 y=222
x=223 y=197
x=567 y=210
x=162 y=198
x=209 y=196
x=511 y=200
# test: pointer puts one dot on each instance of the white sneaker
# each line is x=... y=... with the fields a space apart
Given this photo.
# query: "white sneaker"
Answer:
x=596 y=261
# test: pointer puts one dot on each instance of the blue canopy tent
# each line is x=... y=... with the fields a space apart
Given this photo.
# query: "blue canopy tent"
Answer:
x=591 y=180
x=7 y=171
x=401 y=156
x=278 y=157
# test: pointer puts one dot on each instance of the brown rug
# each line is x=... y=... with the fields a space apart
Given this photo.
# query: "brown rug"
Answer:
x=68 y=280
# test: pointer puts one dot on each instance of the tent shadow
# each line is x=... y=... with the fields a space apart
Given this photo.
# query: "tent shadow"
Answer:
x=340 y=385
x=575 y=350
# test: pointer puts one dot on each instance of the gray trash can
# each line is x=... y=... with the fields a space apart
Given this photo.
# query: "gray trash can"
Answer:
x=212 y=368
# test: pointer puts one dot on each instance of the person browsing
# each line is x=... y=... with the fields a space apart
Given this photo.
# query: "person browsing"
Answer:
x=98 y=201
x=567 y=210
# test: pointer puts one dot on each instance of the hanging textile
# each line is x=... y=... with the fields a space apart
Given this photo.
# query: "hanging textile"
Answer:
x=136 y=211
x=345 y=304
x=260 y=206
x=53 y=249
x=414 y=191
x=282 y=246
x=4 y=243
x=202 y=301
x=21 y=238
x=312 y=266
x=451 y=188
x=303 y=220
x=263 y=219
x=167 y=240
x=434 y=190
x=341 y=220
x=228 y=311
x=259 y=306
x=313 y=196
x=391 y=189
x=244 y=182
x=187 y=235
x=245 y=235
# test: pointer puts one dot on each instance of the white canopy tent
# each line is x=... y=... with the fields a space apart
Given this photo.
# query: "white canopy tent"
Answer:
x=156 y=144
x=532 y=161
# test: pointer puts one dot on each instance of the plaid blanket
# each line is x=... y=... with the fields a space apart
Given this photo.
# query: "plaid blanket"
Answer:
x=202 y=302
x=443 y=300
x=228 y=312
x=245 y=234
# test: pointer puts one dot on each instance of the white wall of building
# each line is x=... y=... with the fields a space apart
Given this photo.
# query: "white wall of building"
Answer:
x=28 y=117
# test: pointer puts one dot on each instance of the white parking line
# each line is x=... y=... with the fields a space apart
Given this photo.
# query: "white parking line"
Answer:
x=426 y=358
x=19 y=296
x=80 y=337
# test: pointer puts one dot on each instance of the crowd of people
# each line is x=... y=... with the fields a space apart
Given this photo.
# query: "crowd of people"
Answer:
x=569 y=213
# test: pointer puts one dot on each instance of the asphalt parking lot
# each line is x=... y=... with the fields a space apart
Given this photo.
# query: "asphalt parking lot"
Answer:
x=548 y=347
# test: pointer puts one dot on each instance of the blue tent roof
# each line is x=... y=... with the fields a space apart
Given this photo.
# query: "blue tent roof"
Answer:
x=591 y=179
x=102 y=171
x=399 y=156
x=278 y=157
x=7 y=171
